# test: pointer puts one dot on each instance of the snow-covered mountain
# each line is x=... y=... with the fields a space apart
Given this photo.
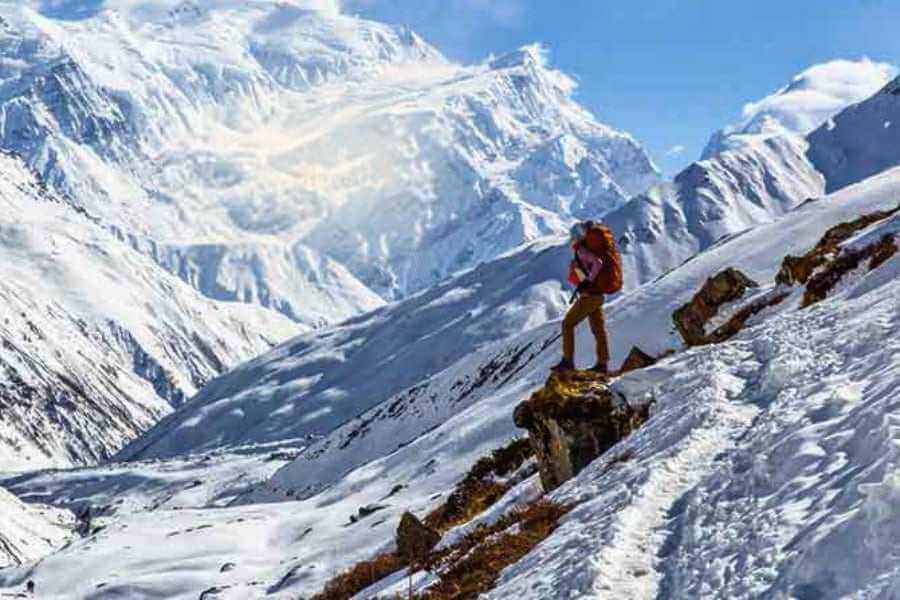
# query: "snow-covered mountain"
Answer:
x=808 y=101
x=712 y=199
x=859 y=142
x=316 y=163
x=98 y=342
x=765 y=177
x=188 y=167
x=30 y=532
x=800 y=400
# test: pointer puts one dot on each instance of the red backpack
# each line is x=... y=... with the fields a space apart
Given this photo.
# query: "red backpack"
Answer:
x=599 y=240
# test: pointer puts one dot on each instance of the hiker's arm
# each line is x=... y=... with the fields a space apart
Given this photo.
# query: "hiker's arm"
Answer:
x=594 y=265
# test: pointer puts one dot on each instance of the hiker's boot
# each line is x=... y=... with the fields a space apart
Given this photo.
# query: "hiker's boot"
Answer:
x=601 y=368
x=562 y=366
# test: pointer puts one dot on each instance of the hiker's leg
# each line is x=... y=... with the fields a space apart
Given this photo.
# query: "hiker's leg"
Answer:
x=577 y=313
x=598 y=327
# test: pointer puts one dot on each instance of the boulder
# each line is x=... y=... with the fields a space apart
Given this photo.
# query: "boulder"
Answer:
x=637 y=359
x=572 y=420
x=414 y=539
x=726 y=286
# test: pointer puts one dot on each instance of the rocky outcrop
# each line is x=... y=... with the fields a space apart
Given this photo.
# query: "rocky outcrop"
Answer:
x=726 y=286
x=636 y=359
x=414 y=540
x=798 y=269
x=831 y=273
x=828 y=261
x=572 y=420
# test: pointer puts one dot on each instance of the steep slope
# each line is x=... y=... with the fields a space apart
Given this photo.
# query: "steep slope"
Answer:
x=316 y=382
x=30 y=532
x=764 y=177
x=860 y=141
x=798 y=383
x=768 y=470
x=709 y=200
x=98 y=342
x=811 y=98
x=238 y=143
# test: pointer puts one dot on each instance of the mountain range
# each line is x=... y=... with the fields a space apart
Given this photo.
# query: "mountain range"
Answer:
x=274 y=275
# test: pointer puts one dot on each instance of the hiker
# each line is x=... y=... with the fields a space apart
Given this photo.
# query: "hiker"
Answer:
x=596 y=269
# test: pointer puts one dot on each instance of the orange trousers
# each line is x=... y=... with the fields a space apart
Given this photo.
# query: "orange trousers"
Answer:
x=590 y=308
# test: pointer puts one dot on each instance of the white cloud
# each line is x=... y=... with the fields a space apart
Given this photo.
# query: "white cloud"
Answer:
x=815 y=95
x=506 y=13
x=675 y=150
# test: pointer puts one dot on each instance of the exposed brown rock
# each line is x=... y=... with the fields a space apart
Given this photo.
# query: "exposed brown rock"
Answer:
x=414 y=540
x=484 y=484
x=798 y=269
x=830 y=274
x=571 y=421
x=739 y=319
x=636 y=359
x=724 y=287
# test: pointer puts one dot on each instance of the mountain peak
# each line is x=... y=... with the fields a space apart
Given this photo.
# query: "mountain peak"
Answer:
x=533 y=55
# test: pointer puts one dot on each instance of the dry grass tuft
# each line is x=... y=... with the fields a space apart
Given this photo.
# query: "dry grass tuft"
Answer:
x=831 y=274
x=360 y=576
x=480 y=488
x=472 y=566
x=475 y=493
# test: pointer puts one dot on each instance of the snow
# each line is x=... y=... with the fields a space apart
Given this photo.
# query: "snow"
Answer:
x=768 y=469
x=211 y=165
x=227 y=139
x=28 y=532
x=812 y=98
x=98 y=341
x=344 y=377
x=327 y=378
x=858 y=146
x=789 y=424
x=709 y=201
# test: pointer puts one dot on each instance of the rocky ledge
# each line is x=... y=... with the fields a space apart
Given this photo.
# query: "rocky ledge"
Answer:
x=572 y=420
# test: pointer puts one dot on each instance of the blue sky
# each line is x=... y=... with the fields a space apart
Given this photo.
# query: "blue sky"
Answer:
x=668 y=71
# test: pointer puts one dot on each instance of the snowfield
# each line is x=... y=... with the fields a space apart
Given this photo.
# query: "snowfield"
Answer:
x=185 y=185
x=785 y=431
x=28 y=532
x=312 y=162
x=98 y=342
x=769 y=469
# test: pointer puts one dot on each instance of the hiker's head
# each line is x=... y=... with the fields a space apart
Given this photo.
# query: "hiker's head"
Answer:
x=577 y=232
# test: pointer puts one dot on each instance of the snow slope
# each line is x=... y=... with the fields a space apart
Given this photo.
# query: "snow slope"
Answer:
x=764 y=177
x=788 y=424
x=861 y=141
x=29 y=532
x=768 y=470
x=316 y=382
x=316 y=163
x=98 y=342
x=811 y=98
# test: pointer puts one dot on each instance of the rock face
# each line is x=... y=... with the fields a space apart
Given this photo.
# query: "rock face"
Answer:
x=637 y=359
x=726 y=286
x=414 y=539
x=572 y=420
